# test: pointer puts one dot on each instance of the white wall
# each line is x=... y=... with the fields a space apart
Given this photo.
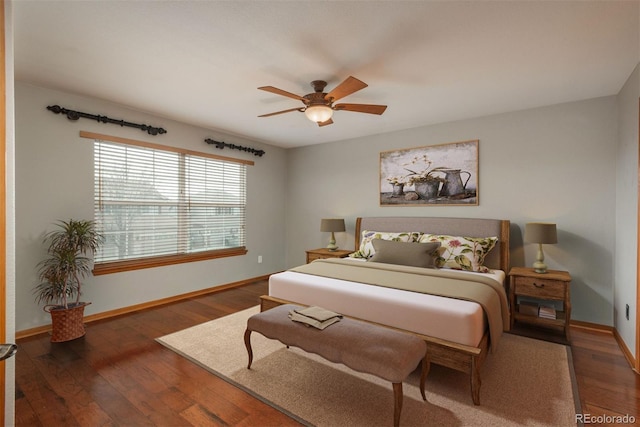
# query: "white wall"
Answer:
x=10 y=278
x=552 y=164
x=54 y=180
x=626 y=249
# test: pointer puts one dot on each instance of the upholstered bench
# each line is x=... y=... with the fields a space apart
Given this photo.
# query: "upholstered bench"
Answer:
x=386 y=353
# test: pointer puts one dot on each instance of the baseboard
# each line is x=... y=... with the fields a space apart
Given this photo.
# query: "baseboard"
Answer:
x=133 y=308
x=591 y=326
x=625 y=350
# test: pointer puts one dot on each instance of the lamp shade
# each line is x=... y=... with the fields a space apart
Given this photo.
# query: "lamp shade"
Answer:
x=318 y=113
x=540 y=232
x=332 y=224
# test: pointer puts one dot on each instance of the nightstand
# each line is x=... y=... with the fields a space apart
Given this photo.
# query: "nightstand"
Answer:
x=538 y=288
x=321 y=253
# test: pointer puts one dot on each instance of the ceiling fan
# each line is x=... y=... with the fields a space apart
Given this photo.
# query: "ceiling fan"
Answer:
x=318 y=106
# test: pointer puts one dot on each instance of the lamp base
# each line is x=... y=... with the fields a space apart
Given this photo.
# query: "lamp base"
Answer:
x=540 y=267
x=332 y=243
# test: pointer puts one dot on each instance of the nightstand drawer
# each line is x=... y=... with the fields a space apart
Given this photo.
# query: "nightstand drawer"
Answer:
x=540 y=288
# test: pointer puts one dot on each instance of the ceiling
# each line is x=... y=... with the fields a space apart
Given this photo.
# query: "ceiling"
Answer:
x=201 y=62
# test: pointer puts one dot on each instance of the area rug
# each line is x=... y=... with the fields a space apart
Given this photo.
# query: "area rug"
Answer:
x=526 y=382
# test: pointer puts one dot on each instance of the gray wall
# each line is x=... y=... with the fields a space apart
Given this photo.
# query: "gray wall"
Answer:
x=54 y=180
x=626 y=249
x=555 y=164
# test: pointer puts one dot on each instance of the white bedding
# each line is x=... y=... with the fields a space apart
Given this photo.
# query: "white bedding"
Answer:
x=450 y=319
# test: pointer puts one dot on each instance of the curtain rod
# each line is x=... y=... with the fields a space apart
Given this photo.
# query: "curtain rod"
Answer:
x=221 y=145
x=75 y=115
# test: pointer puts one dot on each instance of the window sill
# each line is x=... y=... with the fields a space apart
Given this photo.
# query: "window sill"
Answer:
x=138 y=264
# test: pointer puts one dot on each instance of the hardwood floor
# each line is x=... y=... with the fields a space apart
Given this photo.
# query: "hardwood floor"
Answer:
x=119 y=375
x=607 y=385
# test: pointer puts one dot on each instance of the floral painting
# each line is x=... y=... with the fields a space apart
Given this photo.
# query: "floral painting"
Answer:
x=445 y=174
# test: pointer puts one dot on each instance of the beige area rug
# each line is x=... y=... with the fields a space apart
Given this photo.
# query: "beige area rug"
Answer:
x=526 y=382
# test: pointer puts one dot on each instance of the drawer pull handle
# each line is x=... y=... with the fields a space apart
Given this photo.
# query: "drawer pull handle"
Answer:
x=541 y=285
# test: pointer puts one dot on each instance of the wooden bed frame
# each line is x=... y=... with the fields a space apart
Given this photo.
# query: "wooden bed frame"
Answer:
x=456 y=356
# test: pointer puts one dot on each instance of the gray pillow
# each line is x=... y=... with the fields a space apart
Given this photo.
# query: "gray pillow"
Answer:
x=404 y=253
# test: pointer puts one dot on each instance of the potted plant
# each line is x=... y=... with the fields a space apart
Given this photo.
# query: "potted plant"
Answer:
x=425 y=183
x=70 y=250
x=398 y=183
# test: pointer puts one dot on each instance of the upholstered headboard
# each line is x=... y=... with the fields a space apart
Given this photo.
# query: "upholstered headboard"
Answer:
x=498 y=258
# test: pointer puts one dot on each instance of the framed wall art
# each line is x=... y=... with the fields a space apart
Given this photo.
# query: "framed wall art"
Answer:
x=445 y=174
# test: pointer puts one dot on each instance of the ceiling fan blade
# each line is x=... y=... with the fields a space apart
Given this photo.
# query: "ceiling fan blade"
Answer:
x=282 y=112
x=325 y=123
x=347 y=87
x=282 y=92
x=361 y=108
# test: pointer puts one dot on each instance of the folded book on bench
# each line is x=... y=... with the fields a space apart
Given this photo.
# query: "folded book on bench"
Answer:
x=317 y=317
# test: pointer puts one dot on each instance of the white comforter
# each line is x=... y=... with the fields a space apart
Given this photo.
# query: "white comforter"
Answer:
x=449 y=319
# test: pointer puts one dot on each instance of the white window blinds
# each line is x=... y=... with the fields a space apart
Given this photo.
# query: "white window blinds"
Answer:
x=151 y=202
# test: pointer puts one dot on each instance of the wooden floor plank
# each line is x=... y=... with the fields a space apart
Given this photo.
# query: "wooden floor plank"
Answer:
x=119 y=375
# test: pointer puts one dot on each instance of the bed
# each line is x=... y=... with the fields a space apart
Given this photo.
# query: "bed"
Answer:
x=459 y=331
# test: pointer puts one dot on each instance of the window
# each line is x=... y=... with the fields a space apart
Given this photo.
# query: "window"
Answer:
x=159 y=205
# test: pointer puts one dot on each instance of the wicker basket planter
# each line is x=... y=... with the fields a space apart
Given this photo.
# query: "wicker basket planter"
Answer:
x=70 y=249
x=66 y=323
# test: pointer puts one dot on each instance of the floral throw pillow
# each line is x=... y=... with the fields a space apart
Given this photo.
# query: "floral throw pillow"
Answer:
x=461 y=253
x=366 y=249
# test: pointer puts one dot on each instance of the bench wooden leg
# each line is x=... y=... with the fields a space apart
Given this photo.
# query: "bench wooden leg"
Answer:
x=247 y=343
x=397 y=406
x=426 y=366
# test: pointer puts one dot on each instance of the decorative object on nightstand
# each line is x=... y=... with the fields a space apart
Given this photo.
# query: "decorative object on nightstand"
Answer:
x=540 y=233
x=322 y=253
x=332 y=225
x=553 y=285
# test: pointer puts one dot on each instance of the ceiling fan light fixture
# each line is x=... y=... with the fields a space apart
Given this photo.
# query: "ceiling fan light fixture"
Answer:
x=319 y=107
x=318 y=113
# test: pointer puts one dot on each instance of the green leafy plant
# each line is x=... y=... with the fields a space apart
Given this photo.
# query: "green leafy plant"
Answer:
x=68 y=262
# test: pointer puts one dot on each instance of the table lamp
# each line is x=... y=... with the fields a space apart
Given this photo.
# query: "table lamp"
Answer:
x=332 y=225
x=540 y=233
